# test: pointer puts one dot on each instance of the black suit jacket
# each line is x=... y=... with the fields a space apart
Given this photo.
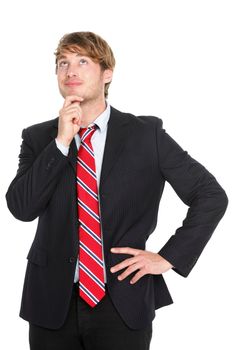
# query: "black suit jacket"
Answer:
x=139 y=157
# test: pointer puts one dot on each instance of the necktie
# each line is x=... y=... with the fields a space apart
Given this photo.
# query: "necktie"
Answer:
x=91 y=269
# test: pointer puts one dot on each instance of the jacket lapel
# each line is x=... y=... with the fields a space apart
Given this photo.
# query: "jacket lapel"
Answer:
x=117 y=135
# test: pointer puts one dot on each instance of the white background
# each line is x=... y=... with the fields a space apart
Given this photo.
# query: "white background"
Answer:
x=174 y=61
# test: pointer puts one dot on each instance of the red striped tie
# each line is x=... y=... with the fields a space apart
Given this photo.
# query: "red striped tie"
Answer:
x=91 y=269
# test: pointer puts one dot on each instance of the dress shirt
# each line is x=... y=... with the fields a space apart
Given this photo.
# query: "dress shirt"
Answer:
x=98 y=143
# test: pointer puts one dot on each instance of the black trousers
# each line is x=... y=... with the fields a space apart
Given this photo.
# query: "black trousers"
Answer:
x=87 y=328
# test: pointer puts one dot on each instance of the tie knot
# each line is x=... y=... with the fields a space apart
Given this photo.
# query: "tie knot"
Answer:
x=86 y=133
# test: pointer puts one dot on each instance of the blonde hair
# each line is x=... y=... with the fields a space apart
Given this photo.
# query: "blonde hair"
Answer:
x=88 y=44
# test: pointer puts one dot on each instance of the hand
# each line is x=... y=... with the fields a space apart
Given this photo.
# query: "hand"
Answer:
x=70 y=117
x=144 y=261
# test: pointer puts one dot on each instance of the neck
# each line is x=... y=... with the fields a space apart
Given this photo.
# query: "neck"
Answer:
x=91 y=110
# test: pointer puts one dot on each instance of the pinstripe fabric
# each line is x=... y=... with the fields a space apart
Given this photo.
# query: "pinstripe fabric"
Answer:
x=91 y=268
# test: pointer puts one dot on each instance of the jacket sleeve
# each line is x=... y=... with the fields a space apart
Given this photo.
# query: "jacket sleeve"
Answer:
x=35 y=180
x=199 y=190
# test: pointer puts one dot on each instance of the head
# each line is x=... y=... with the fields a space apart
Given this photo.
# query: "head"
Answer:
x=84 y=65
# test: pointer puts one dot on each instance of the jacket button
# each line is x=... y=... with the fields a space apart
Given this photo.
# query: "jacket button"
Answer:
x=72 y=259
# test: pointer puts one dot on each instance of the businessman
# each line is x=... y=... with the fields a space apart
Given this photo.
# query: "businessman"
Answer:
x=94 y=177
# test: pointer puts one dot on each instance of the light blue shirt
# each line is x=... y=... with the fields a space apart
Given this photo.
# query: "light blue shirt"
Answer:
x=98 y=143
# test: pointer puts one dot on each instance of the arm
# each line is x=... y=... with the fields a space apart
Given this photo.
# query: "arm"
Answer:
x=36 y=179
x=199 y=190
x=38 y=175
x=207 y=203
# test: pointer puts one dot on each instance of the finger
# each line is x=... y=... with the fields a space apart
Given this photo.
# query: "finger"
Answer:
x=123 y=264
x=72 y=98
x=76 y=121
x=137 y=276
x=130 y=270
x=76 y=110
x=125 y=250
x=74 y=107
x=71 y=115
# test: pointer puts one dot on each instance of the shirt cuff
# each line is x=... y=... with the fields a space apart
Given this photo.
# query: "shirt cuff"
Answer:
x=62 y=148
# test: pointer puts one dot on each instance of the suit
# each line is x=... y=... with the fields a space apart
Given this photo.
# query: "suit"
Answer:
x=139 y=157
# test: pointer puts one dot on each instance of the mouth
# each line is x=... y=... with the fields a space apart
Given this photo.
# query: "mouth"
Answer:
x=73 y=83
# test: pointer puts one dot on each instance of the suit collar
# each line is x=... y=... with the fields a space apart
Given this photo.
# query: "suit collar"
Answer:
x=102 y=120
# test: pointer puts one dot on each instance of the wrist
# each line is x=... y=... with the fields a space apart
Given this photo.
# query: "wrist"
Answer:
x=63 y=141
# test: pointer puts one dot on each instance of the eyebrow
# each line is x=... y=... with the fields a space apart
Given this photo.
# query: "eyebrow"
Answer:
x=65 y=57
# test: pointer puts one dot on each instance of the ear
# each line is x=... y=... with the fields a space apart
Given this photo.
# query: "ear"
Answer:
x=108 y=73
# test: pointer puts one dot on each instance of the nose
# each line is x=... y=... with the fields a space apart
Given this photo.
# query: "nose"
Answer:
x=72 y=71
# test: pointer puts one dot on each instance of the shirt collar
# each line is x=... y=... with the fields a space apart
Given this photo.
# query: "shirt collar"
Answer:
x=102 y=120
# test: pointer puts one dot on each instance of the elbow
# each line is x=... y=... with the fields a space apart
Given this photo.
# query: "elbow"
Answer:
x=220 y=203
x=224 y=201
x=18 y=210
x=20 y=215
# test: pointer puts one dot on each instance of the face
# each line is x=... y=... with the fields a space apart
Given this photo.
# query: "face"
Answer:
x=79 y=75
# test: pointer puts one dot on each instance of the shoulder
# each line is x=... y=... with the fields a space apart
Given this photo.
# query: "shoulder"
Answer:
x=38 y=135
x=146 y=121
x=138 y=119
x=42 y=126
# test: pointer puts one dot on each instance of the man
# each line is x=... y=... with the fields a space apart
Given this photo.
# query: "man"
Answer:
x=94 y=177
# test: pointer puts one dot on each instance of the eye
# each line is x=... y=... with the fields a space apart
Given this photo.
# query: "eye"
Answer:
x=62 y=64
x=83 y=61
